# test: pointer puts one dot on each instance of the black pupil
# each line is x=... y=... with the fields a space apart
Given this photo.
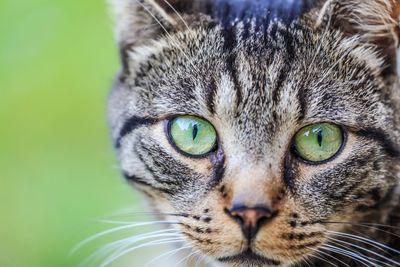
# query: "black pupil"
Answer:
x=319 y=137
x=195 y=131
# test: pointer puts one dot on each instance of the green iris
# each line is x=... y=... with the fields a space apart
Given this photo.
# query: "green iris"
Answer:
x=318 y=142
x=193 y=135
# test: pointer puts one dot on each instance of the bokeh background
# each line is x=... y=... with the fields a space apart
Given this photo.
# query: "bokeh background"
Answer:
x=58 y=173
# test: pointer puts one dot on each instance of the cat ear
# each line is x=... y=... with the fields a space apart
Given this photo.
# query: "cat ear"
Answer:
x=138 y=21
x=375 y=22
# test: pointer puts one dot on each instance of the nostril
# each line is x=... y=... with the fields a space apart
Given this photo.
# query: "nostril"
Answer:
x=238 y=219
x=264 y=219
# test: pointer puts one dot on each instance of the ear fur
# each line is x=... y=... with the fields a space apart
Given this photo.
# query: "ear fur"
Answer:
x=374 y=22
x=138 y=21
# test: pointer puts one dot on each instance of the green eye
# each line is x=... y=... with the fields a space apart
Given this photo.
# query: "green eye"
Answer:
x=193 y=135
x=318 y=142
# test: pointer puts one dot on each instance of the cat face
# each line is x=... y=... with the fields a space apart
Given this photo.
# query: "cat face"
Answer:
x=255 y=142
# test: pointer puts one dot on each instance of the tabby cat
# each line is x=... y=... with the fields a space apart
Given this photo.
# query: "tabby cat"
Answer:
x=266 y=132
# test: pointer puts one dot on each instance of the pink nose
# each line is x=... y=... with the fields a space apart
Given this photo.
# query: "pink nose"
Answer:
x=250 y=219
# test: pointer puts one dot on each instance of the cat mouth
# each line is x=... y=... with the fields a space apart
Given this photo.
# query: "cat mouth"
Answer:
x=250 y=257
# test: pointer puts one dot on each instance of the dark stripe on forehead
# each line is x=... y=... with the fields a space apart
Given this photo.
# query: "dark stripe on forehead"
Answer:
x=302 y=103
x=287 y=42
x=131 y=124
x=391 y=149
x=283 y=74
x=210 y=92
x=230 y=42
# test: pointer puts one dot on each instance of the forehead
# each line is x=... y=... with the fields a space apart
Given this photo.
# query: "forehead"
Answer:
x=260 y=83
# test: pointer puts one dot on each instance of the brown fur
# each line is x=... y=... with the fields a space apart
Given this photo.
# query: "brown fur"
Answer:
x=336 y=63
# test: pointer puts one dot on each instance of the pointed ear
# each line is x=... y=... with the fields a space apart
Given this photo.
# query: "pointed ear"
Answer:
x=138 y=21
x=375 y=22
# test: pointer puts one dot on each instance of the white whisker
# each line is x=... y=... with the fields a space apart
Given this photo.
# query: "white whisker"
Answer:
x=197 y=255
x=322 y=259
x=366 y=240
x=341 y=245
x=120 y=245
x=371 y=226
x=168 y=253
x=113 y=257
x=199 y=260
x=179 y=16
x=308 y=263
x=143 y=213
x=345 y=253
x=331 y=256
x=355 y=239
x=381 y=225
x=351 y=254
x=116 y=229
x=166 y=32
x=130 y=240
x=184 y=259
x=366 y=250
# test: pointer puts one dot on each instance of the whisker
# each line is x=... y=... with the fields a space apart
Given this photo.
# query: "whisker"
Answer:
x=184 y=259
x=116 y=229
x=322 y=259
x=150 y=213
x=110 y=246
x=166 y=32
x=179 y=16
x=307 y=262
x=366 y=224
x=116 y=222
x=362 y=234
x=201 y=259
x=168 y=253
x=331 y=256
x=366 y=240
x=113 y=257
x=341 y=245
x=351 y=254
x=373 y=245
x=126 y=242
x=365 y=249
x=197 y=255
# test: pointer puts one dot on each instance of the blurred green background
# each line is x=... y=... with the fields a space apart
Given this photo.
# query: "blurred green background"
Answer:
x=58 y=173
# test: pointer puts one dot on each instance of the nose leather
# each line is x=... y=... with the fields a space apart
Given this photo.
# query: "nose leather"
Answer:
x=250 y=219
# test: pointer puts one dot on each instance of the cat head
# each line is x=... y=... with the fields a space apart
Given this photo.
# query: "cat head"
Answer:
x=256 y=127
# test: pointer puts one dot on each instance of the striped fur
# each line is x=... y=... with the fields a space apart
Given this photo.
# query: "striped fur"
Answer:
x=258 y=86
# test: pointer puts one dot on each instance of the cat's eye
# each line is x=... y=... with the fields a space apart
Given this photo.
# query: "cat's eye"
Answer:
x=192 y=135
x=318 y=142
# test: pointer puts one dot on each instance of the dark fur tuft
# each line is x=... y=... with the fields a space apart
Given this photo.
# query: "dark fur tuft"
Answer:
x=261 y=12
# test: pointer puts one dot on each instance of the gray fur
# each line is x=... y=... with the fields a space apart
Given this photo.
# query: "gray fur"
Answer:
x=258 y=89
